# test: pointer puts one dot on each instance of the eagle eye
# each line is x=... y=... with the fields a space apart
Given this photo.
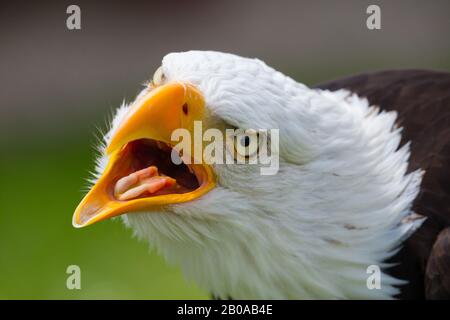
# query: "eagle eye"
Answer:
x=245 y=141
x=158 y=77
x=246 y=144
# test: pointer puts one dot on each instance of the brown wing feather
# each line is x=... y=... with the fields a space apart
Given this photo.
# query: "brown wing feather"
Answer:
x=422 y=101
x=437 y=276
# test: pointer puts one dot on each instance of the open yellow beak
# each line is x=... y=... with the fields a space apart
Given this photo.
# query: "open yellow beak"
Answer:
x=140 y=148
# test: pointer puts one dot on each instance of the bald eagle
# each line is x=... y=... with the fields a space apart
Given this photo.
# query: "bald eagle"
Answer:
x=363 y=181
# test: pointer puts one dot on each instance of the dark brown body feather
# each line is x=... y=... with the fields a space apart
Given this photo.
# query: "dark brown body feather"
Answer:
x=422 y=101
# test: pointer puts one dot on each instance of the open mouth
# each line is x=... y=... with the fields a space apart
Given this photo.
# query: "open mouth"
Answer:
x=140 y=174
x=145 y=169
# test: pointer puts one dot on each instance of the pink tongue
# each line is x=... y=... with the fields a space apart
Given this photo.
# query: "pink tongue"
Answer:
x=139 y=182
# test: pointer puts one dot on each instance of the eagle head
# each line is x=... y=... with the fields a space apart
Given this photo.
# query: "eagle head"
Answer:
x=303 y=220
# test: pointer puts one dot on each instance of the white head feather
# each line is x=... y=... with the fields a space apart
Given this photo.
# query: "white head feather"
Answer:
x=335 y=207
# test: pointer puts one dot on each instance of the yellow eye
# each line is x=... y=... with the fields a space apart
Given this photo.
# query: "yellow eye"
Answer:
x=158 y=77
x=246 y=144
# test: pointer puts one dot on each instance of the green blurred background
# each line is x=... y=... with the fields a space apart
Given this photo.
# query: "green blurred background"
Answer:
x=57 y=87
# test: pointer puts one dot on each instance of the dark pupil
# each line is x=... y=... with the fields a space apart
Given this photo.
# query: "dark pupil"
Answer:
x=245 y=141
